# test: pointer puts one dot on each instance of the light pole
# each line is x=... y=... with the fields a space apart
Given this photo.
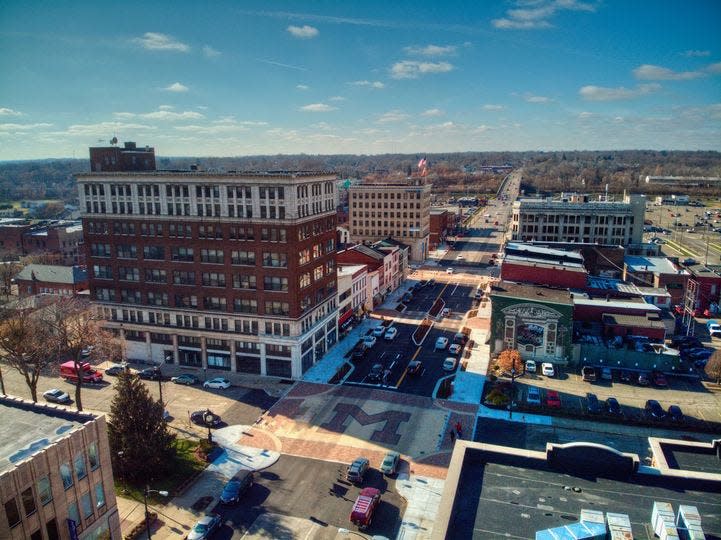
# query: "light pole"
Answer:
x=209 y=417
x=513 y=381
x=147 y=491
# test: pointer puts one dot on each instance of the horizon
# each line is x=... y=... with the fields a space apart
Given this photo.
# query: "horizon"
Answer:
x=325 y=79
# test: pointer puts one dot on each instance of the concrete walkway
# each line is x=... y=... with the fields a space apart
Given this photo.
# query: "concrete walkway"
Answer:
x=423 y=496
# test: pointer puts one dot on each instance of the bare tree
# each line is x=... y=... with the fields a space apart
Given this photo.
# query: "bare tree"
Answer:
x=24 y=339
x=713 y=366
x=8 y=271
x=78 y=336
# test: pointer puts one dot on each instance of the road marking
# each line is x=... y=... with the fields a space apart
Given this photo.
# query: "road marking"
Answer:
x=392 y=364
x=382 y=355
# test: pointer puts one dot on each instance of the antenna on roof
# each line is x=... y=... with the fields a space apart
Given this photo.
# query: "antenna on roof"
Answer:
x=114 y=140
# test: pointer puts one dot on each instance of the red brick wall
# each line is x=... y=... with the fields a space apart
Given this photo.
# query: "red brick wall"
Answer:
x=28 y=287
x=553 y=277
x=594 y=313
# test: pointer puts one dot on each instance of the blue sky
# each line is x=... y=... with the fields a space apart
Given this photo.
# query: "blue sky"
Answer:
x=241 y=78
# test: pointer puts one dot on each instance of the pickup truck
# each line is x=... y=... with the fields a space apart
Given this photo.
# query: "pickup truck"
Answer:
x=364 y=507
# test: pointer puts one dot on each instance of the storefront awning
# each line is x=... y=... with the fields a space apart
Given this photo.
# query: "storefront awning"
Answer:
x=345 y=316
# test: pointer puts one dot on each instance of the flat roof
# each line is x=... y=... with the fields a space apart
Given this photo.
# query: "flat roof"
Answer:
x=532 y=261
x=531 y=249
x=626 y=303
x=657 y=265
x=518 y=499
x=524 y=291
x=633 y=320
x=28 y=428
x=349 y=268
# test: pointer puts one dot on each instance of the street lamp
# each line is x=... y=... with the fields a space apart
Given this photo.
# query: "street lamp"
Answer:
x=209 y=417
x=513 y=380
x=147 y=491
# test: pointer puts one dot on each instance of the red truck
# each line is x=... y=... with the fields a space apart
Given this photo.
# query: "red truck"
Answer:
x=364 y=507
x=90 y=375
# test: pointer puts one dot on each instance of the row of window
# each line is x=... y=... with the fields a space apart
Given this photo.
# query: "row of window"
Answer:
x=385 y=195
x=270 y=259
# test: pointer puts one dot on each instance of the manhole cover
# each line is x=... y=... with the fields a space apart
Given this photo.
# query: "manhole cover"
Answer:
x=201 y=504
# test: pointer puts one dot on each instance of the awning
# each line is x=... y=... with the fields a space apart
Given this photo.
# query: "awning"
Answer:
x=346 y=316
x=346 y=324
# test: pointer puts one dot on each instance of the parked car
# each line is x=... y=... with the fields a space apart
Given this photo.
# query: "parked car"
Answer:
x=357 y=470
x=533 y=395
x=441 y=343
x=360 y=351
x=449 y=364
x=588 y=374
x=204 y=527
x=376 y=372
x=547 y=369
x=205 y=418
x=391 y=333
x=455 y=348
x=151 y=374
x=364 y=507
x=659 y=379
x=653 y=409
x=54 y=395
x=613 y=406
x=379 y=330
x=687 y=341
x=218 y=382
x=415 y=367
x=460 y=337
x=689 y=261
x=675 y=414
x=117 y=369
x=369 y=341
x=236 y=486
x=699 y=353
x=446 y=312
x=186 y=379
x=642 y=379
x=449 y=270
x=553 y=400
x=530 y=366
x=593 y=405
x=389 y=465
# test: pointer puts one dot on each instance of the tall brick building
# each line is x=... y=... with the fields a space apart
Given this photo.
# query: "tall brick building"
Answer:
x=229 y=271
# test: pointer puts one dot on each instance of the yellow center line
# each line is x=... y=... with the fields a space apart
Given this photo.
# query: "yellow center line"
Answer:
x=418 y=350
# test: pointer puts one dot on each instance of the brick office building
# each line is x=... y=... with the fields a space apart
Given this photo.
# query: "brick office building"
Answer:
x=60 y=241
x=49 y=279
x=228 y=271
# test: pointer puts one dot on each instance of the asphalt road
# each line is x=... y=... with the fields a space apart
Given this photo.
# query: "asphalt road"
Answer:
x=314 y=490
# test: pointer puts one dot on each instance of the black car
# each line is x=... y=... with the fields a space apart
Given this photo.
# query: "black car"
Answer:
x=236 y=486
x=593 y=405
x=205 y=418
x=626 y=376
x=151 y=374
x=654 y=410
x=675 y=413
x=359 y=352
x=376 y=372
x=415 y=367
x=357 y=470
x=613 y=407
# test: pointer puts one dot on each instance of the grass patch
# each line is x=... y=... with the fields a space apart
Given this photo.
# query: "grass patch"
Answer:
x=185 y=465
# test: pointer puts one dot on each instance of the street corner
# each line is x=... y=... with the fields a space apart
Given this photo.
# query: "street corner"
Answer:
x=246 y=447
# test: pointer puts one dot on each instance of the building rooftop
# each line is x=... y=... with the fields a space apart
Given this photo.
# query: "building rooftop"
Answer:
x=645 y=321
x=498 y=492
x=522 y=291
x=532 y=261
x=626 y=303
x=656 y=265
x=53 y=273
x=702 y=272
x=349 y=269
x=531 y=250
x=28 y=428
x=213 y=172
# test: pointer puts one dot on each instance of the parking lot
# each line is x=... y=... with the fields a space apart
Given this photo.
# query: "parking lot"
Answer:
x=395 y=355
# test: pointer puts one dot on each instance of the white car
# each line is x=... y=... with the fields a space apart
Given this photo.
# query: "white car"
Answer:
x=218 y=382
x=547 y=369
x=530 y=366
x=446 y=312
x=369 y=341
x=441 y=344
x=379 y=330
x=459 y=257
x=391 y=333
x=449 y=270
x=449 y=364
x=455 y=348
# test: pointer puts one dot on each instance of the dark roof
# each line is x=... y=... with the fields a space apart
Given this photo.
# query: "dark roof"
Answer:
x=391 y=242
x=648 y=321
x=369 y=251
x=531 y=292
x=53 y=274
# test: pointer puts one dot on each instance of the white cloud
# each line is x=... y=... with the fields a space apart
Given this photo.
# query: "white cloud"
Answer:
x=714 y=69
x=176 y=87
x=431 y=50
x=210 y=52
x=410 y=69
x=302 y=87
x=165 y=107
x=602 y=93
x=696 y=53
x=4 y=111
x=103 y=128
x=585 y=114
x=432 y=112
x=392 y=116
x=336 y=98
x=530 y=98
x=530 y=15
x=649 y=72
x=493 y=107
x=318 y=107
x=155 y=41
x=162 y=114
x=303 y=32
x=23 y=127
x=372 y=84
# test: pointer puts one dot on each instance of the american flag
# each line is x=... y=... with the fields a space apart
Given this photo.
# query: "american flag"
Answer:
x=422 y=164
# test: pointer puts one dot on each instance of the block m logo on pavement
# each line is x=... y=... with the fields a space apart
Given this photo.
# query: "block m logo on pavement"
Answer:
x=391 y=420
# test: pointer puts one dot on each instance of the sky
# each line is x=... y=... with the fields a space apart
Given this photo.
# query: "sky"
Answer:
x=232 y=78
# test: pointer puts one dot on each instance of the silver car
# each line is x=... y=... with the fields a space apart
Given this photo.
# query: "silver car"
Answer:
x=204 y=527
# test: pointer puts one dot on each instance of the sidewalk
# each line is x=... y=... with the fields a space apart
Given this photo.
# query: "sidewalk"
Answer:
x=423 y=496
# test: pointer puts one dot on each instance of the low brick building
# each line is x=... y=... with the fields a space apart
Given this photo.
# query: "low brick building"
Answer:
x=50 y=279
x=441 y=222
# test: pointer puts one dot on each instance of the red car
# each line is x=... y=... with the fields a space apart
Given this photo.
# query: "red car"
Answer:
x=364 y=507
x=553 y=399
x=659 y=379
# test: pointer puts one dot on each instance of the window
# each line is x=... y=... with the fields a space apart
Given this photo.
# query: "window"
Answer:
x=52 y=528
x=243 y=281
x=275 y=260
x=28 y=501
x=304 y=256
x=93 y=456
x=73 y=512
x=67 y=475
x=128 y=274
x=102 y=271
x=100 y=250
x=213 y=279
x=183 y=278
x=37 y=535
x=245 y=305
x=44 y=492
x=277 y=308
x=274 y=283
x=182 y=254
x=211 y=256
x=185 y=301
x=86 y=504
x=81 y=471
x=243 y=257
x=156 y=253
x=12 y=512
x=127 y=251
x=304 y=280
x=153 y=275
x=214 y=303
